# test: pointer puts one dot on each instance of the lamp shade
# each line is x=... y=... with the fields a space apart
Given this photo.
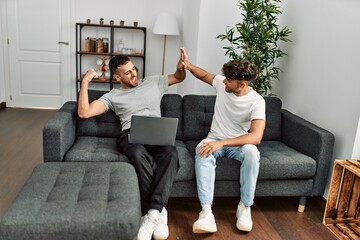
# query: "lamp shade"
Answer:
x=166 y=24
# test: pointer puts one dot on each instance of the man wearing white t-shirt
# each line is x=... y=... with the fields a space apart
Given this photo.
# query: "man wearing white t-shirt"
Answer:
x=237 y=126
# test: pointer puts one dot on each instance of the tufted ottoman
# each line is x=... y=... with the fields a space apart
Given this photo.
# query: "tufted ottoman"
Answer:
x=77 y=200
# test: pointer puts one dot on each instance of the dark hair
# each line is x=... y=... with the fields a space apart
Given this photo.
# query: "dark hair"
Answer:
x=117 y=61
x=240 y=70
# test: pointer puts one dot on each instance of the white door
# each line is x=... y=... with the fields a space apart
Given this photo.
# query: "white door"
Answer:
x=39 y=54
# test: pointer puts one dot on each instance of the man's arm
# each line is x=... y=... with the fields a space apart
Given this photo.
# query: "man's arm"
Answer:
x=86 y=109
x=255 y=135
x=180 y=73
x=196 y=71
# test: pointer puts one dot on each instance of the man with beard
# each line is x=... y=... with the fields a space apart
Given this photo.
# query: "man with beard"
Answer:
x=156 y=166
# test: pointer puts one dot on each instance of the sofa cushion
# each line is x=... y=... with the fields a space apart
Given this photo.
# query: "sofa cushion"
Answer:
x=277 y=161
x=104 y=125
x=94 y=149
x=99 y=149
x=171 y=106
x=198 y=113
x=186 y=163
x=273 y=119
x=191 y=145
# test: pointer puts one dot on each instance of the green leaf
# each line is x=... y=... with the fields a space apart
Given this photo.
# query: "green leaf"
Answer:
x=257 y=38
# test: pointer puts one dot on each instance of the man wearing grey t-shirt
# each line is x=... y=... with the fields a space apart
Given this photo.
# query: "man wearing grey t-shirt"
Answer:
x=156 y=166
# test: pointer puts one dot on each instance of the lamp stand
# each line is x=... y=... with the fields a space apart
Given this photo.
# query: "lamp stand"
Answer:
x=163 y=63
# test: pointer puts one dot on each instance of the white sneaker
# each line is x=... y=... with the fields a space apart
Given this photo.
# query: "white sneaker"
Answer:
x=205 y=223
x=162 y=230
x=148 y=225
x=243 y=214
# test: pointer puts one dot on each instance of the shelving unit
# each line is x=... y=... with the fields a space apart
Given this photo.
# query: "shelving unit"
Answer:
x=114 y=33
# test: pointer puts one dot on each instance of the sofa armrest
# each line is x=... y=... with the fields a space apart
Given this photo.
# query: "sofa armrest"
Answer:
x=312 y=141
x=59 y=133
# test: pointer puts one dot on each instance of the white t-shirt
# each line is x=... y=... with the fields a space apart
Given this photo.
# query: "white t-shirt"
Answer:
x=233 y=114
x=144 y=99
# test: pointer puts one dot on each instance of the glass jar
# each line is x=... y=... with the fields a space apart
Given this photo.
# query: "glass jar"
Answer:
x=120 y=46
x=99 y=45
x=105 y=43
x=87 y=45
x=92 y=44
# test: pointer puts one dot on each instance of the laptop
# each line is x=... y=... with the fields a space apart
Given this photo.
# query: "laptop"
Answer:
x=153 y=130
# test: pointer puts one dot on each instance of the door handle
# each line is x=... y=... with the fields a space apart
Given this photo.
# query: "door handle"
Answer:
x=65 y=43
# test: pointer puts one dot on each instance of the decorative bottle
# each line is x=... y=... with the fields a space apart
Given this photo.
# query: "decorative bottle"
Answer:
x=120 y=46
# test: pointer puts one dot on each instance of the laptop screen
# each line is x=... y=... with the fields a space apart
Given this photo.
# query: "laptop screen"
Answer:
x=153 y=130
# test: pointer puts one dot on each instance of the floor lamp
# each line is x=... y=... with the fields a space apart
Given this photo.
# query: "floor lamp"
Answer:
x=165 y=24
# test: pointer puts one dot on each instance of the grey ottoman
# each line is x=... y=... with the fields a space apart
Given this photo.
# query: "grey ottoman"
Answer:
x=76 y=200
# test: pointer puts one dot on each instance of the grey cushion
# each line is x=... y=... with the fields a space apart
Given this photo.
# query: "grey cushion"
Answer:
x=94 y=149
x=98 y=149
x=273 y=119
x=277 y=161
x=198 y=113
x=104 y=125
x=171 y=106
x=76 y=201
x=186 y=162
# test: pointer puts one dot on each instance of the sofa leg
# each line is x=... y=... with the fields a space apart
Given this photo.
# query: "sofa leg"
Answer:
x=302 y=202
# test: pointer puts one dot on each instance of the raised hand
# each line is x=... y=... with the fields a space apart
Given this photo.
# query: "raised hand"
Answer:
x=89 y=75
x=184 y=58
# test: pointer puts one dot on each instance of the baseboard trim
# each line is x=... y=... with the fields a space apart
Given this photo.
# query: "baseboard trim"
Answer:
x=2 y=105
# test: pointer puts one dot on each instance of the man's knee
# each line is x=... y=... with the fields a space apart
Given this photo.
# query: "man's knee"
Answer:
x=250 y=151
x=136 y=151
x=197 y=148
x=170 y=149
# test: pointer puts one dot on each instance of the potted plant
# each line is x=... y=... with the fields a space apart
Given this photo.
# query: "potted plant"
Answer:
x=257 y=39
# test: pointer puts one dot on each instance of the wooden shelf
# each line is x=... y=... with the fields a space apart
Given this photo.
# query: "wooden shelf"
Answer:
x=116 y=31
x=100 y=80
x=113 y=26
x=109 y=54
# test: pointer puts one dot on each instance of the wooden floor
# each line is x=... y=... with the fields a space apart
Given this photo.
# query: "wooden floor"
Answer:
x=274 y=217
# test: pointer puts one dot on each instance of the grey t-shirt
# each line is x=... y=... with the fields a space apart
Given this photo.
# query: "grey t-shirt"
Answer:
x=143 y=99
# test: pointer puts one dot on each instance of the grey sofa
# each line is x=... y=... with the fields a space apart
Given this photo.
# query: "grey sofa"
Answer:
x=295 y=154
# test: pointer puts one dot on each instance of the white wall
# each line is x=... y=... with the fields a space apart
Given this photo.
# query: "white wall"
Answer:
x=2 y=57
x=320 y=81
x=2 y=75
x=206 y=51
x=356 y=149
x=189 y=36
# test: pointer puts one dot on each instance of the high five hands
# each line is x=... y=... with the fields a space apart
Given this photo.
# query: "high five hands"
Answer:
x=184 y=58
